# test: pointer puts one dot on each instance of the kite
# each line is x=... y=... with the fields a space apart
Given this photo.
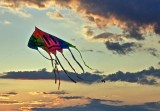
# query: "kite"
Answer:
x=51 y=44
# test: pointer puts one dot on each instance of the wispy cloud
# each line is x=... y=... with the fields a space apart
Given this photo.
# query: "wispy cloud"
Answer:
x=5 y=22
x=8 y=102
x=56 y=92
x=107 y=36
x=8 y=94
x=153 y=51
x=54 y=15
x=98 y=72
x=71 y=97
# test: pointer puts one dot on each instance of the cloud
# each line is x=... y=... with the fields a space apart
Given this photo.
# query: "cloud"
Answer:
x=113 y=101
x=12 y=93
x=153 y=51
x=91 y=50
x=71 y=97
x=56 y=92
x=19 y=12
x=16 y=4
x=122 y=48
x=35 y=93
x=8 y=102
x=89 y=78
x=98 y=72
x=88 y=32
x=107 y=36
x=149 y=76
x=54 y=15
x=97 y=105
x=129 y=15
x=8 y=94
x=87 y=50
x=5 y=22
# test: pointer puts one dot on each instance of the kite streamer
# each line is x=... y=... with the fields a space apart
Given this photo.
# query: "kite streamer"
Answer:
x=51 y=44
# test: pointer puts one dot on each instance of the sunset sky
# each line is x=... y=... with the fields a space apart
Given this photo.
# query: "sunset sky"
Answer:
x=115 y=37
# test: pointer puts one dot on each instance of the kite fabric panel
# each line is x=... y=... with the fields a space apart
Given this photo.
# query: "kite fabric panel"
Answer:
x=51 y=44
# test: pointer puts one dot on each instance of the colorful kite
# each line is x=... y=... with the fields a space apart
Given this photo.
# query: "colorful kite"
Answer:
x=52 y=44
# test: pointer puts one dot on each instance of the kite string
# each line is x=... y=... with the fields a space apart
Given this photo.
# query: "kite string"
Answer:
x=76 y=60
x=83 y=59
x=44 y=56
x=54 y=68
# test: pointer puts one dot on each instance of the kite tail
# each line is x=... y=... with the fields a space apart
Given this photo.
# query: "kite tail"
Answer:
x=71 y=67
x=76 y=60
x=69 y=63
x=64 y=70
x=83 y=59
x=54 y=68
x=51 y=59
x=58 y=77
x=54 y=71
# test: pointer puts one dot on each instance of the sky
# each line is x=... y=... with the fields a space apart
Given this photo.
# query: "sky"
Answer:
x=119 y=39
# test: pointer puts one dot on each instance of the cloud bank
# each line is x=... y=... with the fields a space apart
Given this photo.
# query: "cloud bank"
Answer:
x=149 y=76
x=97 y=105
x=146 y=77
x=89 y=78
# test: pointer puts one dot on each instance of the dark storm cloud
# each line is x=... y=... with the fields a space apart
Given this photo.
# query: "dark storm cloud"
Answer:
x=122 y=48
x=142 y=77
x=133 y=32
x=135 y=14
